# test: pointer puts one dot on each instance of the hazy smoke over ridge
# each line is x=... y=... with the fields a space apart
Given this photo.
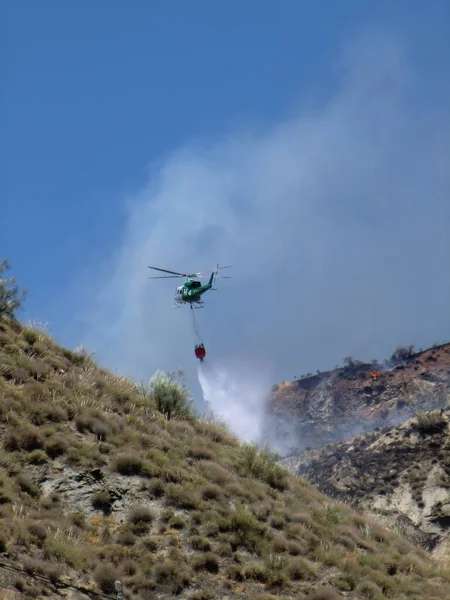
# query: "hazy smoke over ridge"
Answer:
x=335 y=221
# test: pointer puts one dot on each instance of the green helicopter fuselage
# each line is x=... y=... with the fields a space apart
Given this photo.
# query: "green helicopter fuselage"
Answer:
x=191 y=291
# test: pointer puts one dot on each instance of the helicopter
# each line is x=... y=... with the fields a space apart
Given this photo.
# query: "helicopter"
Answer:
x=192 y=290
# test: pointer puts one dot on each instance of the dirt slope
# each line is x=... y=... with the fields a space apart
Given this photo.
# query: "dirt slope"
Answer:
x=339 y=404
x=101 y=481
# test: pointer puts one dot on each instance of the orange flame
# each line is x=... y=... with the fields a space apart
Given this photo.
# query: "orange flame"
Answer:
x=374 y=374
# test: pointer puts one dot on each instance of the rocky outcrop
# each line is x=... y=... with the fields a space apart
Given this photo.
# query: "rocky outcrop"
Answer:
x=401 y=475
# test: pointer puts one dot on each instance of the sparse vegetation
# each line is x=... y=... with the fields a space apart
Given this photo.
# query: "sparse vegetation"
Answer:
x=101 y=480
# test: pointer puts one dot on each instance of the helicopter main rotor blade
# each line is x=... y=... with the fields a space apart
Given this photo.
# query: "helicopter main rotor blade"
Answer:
x=167 y=277
x=167 y=271
x=199 y=274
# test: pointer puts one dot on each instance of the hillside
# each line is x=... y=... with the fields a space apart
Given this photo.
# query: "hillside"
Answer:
x=400 y=475
x=102 y=480
x=336 y=405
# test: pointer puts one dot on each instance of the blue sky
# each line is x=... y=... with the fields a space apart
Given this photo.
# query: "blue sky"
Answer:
x=97 y=96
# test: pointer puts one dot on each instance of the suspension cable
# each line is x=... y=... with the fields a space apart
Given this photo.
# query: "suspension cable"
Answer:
x=195 y=324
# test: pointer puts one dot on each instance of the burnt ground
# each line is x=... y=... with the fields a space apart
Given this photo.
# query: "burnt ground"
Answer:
x=400 y=474
x=336 y=405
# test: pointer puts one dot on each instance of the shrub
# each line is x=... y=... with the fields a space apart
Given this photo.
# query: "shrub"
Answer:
x=279 y=544
x=215 y=472
x=300 y=568
x=150 y=544
x=63 y=548
x=5 y=497
x=37 y=457
x=38 y=530
x=368 y=589
x=198 y=542
x=126 y=538
x=402 y=352
x=170 y=396
x=349 y=361
x=50 y=501
x=269 y=571
x=430 y=421
x=129 y=567
x=140 y=514
x=56 y=446
x=204 y=594
x=101 y=430
x=105 y=575
x=25 y=438
x=33 y=566
x=171 y=573
x=129 y=464
x=11 y=297
x=246 y=529
x=77 y=357
x=295 y=548
x=211 y=491
x=261 y=463
x=176 y=522
x=30 y=336
x=155 y=488
x=325 y=593
x=206 y=562
x=277 y=521
x=82 y=423
x=234 y=572
x=200 y=452
x=177 y=495
x=27 y=485
x=254 y=570
x=102 y=501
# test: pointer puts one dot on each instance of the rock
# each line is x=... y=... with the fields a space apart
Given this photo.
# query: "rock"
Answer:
x=10 y=595
x=97 y=474
x=77 y=596
x=405 y=480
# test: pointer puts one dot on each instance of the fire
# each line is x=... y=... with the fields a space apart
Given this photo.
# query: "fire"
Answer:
x=374 y=375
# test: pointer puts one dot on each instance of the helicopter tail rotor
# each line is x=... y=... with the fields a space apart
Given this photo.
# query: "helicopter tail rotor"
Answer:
x=217 y=274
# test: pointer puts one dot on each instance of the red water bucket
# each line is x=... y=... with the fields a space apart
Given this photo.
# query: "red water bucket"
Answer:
x=200 y=352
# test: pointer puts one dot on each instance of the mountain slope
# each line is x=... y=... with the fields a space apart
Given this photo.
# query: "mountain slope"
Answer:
x=400 y=475
x=336 y=405
x=101 y=480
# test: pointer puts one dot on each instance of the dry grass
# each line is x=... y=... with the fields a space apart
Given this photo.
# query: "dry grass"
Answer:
x=100 y=479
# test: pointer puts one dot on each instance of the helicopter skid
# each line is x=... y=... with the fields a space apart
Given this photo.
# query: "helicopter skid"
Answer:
x=196 y=305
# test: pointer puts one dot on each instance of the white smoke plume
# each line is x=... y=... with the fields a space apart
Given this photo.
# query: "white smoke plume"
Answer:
x=336 y=222
x=237 y=394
